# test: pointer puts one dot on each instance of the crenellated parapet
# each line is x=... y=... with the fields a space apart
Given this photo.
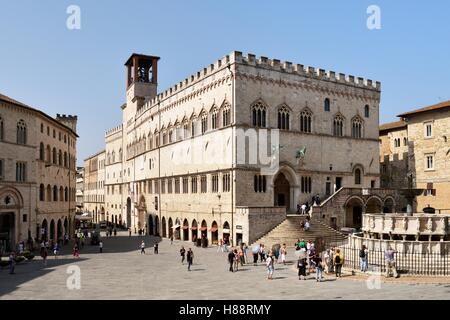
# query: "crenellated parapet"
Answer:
x=306 y=71
x=114 y=130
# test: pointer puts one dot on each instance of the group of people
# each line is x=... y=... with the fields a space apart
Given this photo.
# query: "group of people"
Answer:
x=155 y=247
x=188 y=256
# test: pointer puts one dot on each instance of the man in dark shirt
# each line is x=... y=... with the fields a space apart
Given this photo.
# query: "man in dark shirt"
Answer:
x=231 y=259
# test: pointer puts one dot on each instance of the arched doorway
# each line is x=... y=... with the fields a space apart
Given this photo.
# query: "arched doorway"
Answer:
x=177 y=229
x=226 y=233
x=214 y=233
x=194 y=230
x=388 y=205
x=185 y=230
x=150 y=225
x=129 y=212
x=170 y=228
x=52 y=230
x=163 y=225
x=374 y=205
x=354 y=209
x=282 y=191
x=44 y=230
x=66 y=226
x=204 y=233
x=59 y=230
x=157 y=232
x=7 y=232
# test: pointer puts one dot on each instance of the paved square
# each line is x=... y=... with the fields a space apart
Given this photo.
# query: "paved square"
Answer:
x=121 y=272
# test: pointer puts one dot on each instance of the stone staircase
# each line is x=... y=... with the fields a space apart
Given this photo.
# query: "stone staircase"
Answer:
x=289 y=231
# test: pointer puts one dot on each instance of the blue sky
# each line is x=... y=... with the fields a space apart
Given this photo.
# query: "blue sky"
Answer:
x=46 y=65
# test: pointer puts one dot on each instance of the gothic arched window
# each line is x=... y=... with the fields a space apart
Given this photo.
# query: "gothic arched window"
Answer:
x=306 y=121
x=21 y=132
x=338 y=126
x=283 y=118
x=357 y=127
x=259 y=115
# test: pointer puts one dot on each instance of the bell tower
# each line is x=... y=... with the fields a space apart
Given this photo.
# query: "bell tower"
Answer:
x=142 y=79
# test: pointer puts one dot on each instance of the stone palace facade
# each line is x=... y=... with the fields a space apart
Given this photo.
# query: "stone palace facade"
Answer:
x=37 y=173
x=192 y=161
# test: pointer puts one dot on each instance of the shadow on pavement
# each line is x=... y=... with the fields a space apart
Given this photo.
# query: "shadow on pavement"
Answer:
x=28 y=271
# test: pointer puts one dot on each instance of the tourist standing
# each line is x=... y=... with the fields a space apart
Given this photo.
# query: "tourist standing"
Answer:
x=155 y=248
x=327 y=260
x=338 y=262
x=231 y=260
x=100 y=246
x=236 y=259
x=12 y=262
x=283 y=254
x=255 y=252
x=262 y=253
x=129 y=232
x=363 y=258
x=303 y=208
x=317 y=261
x=301 y=265
x=270 y=267
x=142 y=247
x=182 y=254
x=190 y=258
x=171 y=240
x=389 y=256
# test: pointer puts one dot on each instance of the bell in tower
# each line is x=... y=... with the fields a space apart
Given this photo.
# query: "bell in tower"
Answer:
x=142 y=79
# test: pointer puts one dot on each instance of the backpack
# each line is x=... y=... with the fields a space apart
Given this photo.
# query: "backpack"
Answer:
x=362 y=253
x=337 y=260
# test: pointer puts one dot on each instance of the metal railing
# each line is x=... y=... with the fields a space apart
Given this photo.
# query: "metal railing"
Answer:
x=429 y=264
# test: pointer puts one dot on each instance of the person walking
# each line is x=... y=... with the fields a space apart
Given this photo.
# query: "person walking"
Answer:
x=220 y=245
x=76 y=251
x=225 y=246
x=155 y=248
x=389 y=256
x=129 y=232
x=190 y=258
x=270 y=266
x=100 y=246
x=183 y=254
x=255 y=253
x=115 y=232
x=301 y=266
x=231 y=260
x=338 y=262
x=142 y=247
x=363 y=258
x=303 y=209
x=317 y=261
x=56 y=250
x=44 y=253
x=283 y=254
x=12 y=262
x=171 y=240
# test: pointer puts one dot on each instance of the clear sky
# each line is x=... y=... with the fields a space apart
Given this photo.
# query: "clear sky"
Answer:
x=48 y=66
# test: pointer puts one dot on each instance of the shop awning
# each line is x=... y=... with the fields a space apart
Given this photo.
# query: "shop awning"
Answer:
x=226 y=230
x=83 y=217
x=185 y=227
x=194 y=228
x=176 y=226
x=203 y=228
x=213 y=229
